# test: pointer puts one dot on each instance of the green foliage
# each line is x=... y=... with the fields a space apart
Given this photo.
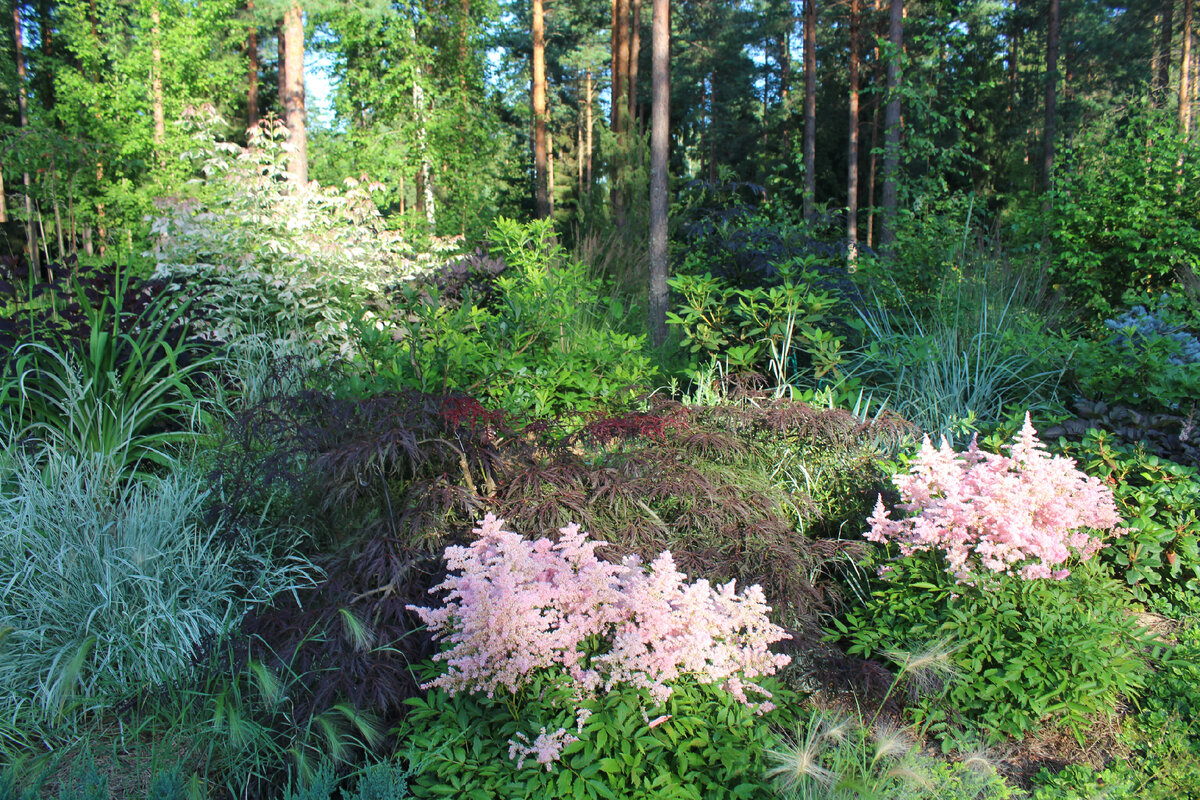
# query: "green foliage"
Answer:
x=547 y=343
x=709 y=745
x=979 y=353
x=111 y=586
x=1121 y=215
x=268 y=258
x=1028 y=651
x=85 y=782
x=1160 y=555
x=1151 y=359
x=753 y=327
x=129 y=397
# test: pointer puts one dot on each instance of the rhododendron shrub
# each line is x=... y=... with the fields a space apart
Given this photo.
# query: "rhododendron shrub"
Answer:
x=1025 y=513
x=513 y=607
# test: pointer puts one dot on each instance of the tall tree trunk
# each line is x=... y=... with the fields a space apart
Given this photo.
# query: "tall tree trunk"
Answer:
x=425 y=199
x=785 y=83
x=1014 y=46
x=541 y=189
x=293 y=98
x=1165 y=37
x=252 y=73
x=810 y=107
x=1185 y=72
x=3 y=200
x=550 y=174
x=852 y=140
x=156 y=87
x=587 y=91
x=23 y=108
x=635 y=49
x=101 y=231
x=1051 y=89
x=891 y=126
x=46 y=25
x=620 y=109
x=660 y=120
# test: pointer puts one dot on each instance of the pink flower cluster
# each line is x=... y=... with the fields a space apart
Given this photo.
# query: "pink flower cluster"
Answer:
x=545 y=749
x=1019 y=514
x=513 y=606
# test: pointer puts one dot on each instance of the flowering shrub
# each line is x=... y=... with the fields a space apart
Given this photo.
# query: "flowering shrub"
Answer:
x=514 y=607
x=1017 y=514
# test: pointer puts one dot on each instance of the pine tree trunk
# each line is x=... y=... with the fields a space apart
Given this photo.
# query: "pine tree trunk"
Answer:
x=252 y=74
x=810 y=108
x=891 y=127
x=538 y=90
x=46 y=27
x=293 y=97
x=1166 y=35
x=550 y=174
x=1185 y=70
x=588 y=126
x=23 y=109
x=785 y=84
x=852 y=141
x=635 y=49
x=660 y=120
x=1051 y=89
x=620 y=109
x=156 y=87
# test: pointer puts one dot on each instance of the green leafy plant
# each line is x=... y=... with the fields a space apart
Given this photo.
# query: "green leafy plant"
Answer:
x=751 y=327
x=701 y=743
x=1160 y=553
x=1028 y=650
x=129 y=392
x=537 y=338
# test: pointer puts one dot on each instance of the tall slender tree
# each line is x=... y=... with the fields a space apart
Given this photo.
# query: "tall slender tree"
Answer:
x=540 y=166
x=891 y=125
x=660 y=121
x=156 y=85
x=852 y=139
x=635 y=49
x=1048 y=127
x=252 y=72
x=23 y=113
x=1185 y=69
x=810 y=107
x=292 y=83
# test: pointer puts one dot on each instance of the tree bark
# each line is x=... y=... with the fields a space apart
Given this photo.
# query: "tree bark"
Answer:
x=891 y=127
x=3 y=201
x=852 y=140
x=620 y=109
x=47 y=79
x=660 y=120
x=156 y=87
x=540 y=166
x=252 y=74
x=1051 y=89
x=293 y=98
x=588 y=123
x=785 y=84
x=635 y=49
x=810 y=108
x=1185 y=64
x=23 y=109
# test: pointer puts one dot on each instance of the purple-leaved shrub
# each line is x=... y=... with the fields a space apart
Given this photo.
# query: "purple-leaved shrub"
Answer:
x=1024 y=513
x=514 y=607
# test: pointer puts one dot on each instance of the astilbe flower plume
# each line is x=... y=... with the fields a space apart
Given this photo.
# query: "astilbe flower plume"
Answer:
x=513 y=607
x=1024 y=513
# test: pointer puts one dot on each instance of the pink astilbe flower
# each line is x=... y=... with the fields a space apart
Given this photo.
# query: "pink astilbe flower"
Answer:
x=513 y=607
x=545 y=749
x=1021 y=514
